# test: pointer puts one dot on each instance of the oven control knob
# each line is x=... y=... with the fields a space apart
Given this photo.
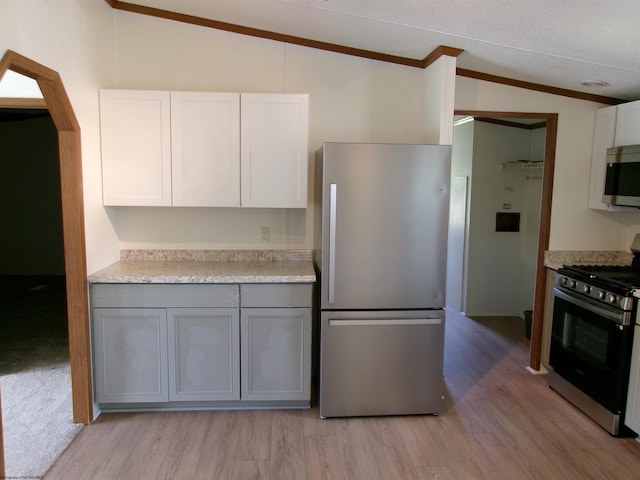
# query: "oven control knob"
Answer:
x=563 y=281
x=611 y=298
x=601 y=294
x=586 y=289
x=572 y=283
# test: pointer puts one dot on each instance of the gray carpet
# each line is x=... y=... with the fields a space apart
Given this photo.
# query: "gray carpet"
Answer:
x=35 y=378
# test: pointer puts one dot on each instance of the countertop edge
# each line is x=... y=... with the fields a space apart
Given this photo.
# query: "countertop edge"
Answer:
x=555 y=259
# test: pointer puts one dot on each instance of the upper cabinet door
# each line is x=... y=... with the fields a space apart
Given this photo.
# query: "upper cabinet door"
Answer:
x=603 y=138
x=136 y=147
x=274 y=150
x=205 y=148
x=628 y=124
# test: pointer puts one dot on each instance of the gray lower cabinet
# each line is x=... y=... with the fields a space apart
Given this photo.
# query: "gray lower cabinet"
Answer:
x=276 y=364
x=130 y=354
x=172 y=346
x=204 y=354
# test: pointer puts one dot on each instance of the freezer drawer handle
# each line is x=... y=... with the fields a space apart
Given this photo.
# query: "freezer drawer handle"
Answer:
x=384 y=321
x=332 y=243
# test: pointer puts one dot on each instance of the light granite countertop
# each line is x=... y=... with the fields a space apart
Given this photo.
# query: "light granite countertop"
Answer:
x=555 y=259
x=209 y=266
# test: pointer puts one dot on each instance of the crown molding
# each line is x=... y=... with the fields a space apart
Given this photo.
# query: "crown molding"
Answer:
x=357 y=52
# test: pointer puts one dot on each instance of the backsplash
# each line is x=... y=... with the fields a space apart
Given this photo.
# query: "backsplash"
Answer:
x=214 y=255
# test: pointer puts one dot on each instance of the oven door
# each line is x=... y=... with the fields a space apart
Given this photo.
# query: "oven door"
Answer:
x=591 y=348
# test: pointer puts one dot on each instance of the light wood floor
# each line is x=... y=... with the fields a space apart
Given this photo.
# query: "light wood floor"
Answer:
x=499 y=422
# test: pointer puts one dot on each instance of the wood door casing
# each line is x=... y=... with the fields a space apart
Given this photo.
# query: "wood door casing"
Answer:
x=70 y=158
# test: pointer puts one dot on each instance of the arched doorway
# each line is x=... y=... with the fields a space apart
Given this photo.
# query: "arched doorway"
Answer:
x=65 y=121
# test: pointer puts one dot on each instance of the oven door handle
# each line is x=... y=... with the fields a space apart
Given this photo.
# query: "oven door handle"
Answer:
x=622 y=318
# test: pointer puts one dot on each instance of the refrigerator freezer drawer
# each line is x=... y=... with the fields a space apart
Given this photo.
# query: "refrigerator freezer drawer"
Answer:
x=381 y=363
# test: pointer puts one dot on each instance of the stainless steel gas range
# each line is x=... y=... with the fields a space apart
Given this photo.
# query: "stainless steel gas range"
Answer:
x=591 y=340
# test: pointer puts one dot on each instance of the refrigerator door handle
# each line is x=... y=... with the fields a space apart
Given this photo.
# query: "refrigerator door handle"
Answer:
x=332 y=243
x=384 y=321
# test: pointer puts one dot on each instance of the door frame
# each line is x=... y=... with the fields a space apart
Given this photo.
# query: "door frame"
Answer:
x=70 y=159
x=535 y=347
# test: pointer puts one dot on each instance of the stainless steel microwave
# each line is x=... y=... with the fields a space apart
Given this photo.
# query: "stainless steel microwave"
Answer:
x=622 y=178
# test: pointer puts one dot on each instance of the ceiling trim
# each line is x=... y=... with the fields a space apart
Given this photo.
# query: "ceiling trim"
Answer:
x=383 y=57
x=507 y=123
x=279 y=37
x=538 y=87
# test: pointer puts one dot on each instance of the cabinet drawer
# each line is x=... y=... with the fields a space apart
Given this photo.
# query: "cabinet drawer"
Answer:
x=163 y=295
x=276 y=295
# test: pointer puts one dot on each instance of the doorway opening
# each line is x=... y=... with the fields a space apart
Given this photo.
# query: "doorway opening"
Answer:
x=551 y=121
x=72 y=205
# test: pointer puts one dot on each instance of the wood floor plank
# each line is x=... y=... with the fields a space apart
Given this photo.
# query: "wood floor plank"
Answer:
x=436 y=473
x=358 y=454
x=383 y=431
x=287 y=446
x=421 y=446
x=186 y=447
x=219 y=447
x=251 y=470
x=393 y=461
x=112 y=458
x=254 y=442
x=323 y=458
x=152 y=447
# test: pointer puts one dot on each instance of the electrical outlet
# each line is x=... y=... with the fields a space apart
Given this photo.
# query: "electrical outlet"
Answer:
x=265 y=234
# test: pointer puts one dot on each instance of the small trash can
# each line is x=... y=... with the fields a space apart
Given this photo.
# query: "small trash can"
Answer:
x=527 y=323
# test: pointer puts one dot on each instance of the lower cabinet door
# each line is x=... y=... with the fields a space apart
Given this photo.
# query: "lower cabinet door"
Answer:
x=204 y=354
x=130 y=355
x=276 y=353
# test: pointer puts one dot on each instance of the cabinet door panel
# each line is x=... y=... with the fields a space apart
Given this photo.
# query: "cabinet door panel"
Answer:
x=136 y=147
x=130 y=355
x=627 y=121
x=276 y=345
x=204 y=354
x=274 y=150
x=205 y=134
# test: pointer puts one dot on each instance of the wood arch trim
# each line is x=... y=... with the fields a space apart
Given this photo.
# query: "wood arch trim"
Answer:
x=535 y=347
x=64 y=119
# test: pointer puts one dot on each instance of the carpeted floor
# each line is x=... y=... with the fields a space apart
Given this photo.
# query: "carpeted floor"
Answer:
x=35 y=377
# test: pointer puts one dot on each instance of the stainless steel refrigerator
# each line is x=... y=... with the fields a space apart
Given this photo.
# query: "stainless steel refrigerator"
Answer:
x=382 y=215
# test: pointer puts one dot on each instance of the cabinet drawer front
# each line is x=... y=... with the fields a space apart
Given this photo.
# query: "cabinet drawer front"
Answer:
x=276 y=295
x=164 y=295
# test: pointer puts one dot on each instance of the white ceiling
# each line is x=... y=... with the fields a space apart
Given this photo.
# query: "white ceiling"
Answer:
x=558 y=43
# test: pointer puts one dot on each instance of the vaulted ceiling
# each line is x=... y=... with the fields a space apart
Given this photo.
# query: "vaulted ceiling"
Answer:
x=552 y=43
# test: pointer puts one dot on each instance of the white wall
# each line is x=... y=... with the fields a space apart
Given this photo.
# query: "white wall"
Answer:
x=461 y=180
x=573 y=225
x=74 y=38
x=495 y=269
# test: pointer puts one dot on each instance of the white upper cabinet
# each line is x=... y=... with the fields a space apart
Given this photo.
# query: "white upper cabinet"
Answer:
x=274 y=150
x=628 y=124
x=204 y=149
x=603 y=137
x=614 y=126
x=136 y=147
